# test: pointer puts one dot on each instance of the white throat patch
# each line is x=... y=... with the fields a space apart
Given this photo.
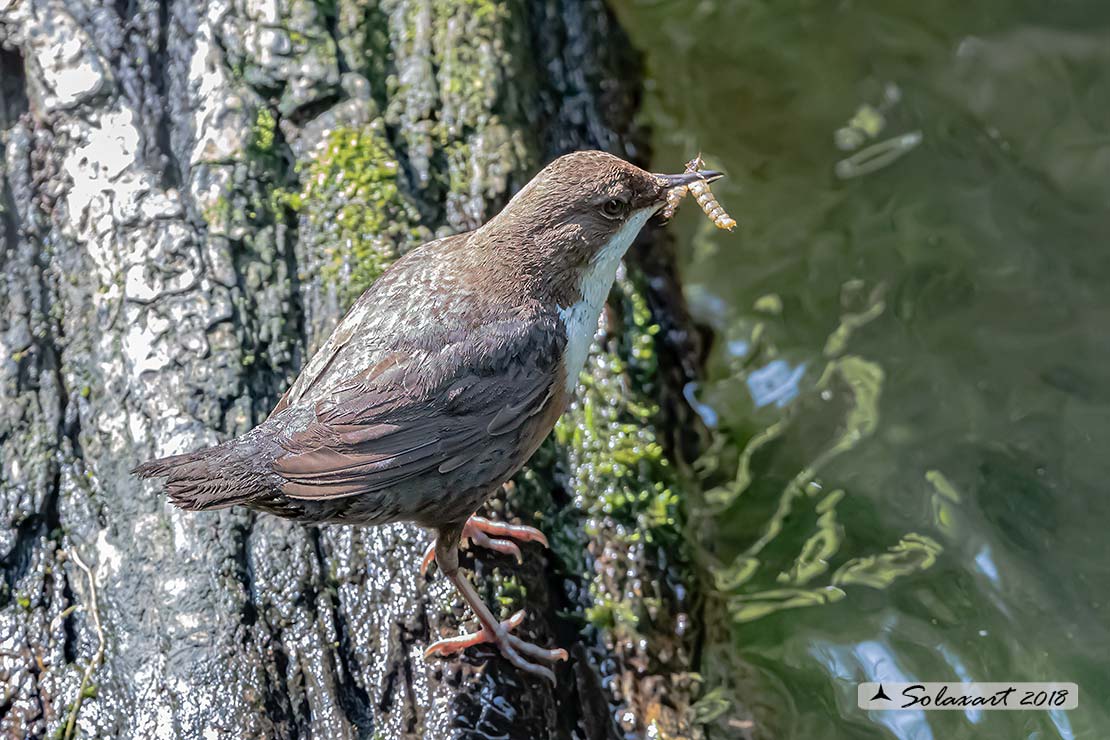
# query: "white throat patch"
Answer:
x=581 y=318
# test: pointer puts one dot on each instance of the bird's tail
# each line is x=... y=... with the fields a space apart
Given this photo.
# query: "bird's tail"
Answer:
x=235 y=472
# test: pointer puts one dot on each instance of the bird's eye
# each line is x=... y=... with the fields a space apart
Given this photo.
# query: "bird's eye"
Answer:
x=613 y=208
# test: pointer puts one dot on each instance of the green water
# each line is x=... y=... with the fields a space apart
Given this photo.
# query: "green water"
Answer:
x=928 y=334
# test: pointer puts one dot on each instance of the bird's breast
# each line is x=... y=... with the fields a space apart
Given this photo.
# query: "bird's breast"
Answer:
x=580 y=323
x=594 y=283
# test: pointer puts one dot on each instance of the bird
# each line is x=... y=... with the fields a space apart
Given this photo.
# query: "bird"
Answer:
x=442 y=379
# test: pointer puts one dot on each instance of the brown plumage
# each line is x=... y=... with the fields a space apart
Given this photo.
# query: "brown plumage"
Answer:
x=443 y=377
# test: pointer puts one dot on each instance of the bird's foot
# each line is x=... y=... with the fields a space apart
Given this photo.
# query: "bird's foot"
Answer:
x=515 y=650
x=479 y=530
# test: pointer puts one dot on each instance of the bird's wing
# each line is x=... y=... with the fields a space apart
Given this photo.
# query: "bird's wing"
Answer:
x=317 y=367
x=390 y=424
x=361 y=324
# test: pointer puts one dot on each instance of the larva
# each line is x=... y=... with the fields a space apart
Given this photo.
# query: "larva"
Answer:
x=702 y=194
x=704 y=197
x=674 y=197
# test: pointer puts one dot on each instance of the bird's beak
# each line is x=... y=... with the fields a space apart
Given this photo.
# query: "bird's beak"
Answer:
x=674 y=181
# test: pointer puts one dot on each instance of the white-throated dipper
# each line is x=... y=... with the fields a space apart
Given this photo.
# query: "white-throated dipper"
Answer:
x=443 y=378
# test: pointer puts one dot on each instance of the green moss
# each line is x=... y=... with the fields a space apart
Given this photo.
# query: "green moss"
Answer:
x=282 y=199
x=469 y=76
x=356 y=212
x=712 y=705
x=624 y=488
x=511 y=592
x=612 y=614
x=262 y=135
x=619 y=466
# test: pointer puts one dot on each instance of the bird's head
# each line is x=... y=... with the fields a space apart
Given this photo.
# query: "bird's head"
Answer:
x=579 y=214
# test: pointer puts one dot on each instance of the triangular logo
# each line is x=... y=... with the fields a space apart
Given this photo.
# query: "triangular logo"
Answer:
x=880 y=694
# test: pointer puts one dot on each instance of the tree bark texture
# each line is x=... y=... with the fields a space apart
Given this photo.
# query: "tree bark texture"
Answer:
x=192 y=193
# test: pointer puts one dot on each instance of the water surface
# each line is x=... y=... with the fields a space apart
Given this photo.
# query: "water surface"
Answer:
x=911 y=378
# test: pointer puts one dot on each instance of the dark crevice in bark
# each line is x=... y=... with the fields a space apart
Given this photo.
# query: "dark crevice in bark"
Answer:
x=311 y=110
x=245 y=571
x=584 y=51
x=295 y=317
x=390 y=687
x=13 y=105
x=376 y=66
x=264 y=378
x=171 y=175
x=16 y=562
x=353 y=699
x=578 y=686
x=275 y=694
x=124 y=9
x=595 y=715
x=10 y=232
x=584 y=691
x=301 y=718
x=404 y=668
x=141 y=63
x=39 y=361
x=278 y=701
x=69 y=625
x=331 y=24
x=67 y=420
x=13 y=89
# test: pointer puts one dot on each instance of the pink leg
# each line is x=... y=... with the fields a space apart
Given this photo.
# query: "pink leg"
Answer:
x=515 y=650
x=478 y=530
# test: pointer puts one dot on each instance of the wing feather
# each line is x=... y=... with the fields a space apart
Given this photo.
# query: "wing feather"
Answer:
x=381 y=429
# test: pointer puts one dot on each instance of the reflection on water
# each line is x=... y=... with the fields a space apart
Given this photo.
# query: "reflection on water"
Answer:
x=911 y=381
x=860 y=381
x=776 y=382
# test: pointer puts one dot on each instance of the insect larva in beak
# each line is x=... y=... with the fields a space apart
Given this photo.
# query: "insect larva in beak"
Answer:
x=704 y=197
x=674 y=197
x=709 y=204
x=700 y=190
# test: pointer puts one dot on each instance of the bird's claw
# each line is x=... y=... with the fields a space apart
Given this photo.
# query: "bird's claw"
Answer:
x=478 y=530
x=514 y=649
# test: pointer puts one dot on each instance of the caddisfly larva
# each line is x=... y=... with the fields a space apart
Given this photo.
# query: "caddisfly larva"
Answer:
x=702 y=194
x=700 y=190
x=674 y=197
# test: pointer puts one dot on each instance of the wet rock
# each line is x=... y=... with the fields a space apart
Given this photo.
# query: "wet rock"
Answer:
x=67 y=70
x=190 y=198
